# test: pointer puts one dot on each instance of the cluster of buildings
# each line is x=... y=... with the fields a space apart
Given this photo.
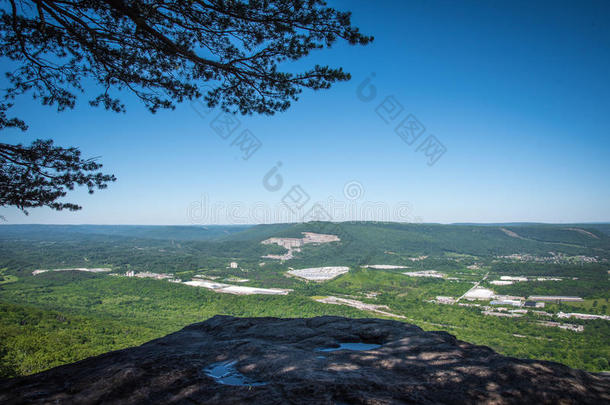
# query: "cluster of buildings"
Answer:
x=508 y=280
x=566 y=326
x=507 y=301
x=554 y=258
x=425 y=273
x=498 y=303
x=534 y=301
x=147 y=274
x=555 y=298
x=582 y=316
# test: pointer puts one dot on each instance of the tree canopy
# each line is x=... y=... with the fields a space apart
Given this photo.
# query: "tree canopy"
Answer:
x=164 y=52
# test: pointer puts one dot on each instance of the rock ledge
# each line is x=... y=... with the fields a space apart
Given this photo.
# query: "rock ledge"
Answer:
x=283 y=356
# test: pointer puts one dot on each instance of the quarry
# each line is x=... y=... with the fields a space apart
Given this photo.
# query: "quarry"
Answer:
x=294 y=244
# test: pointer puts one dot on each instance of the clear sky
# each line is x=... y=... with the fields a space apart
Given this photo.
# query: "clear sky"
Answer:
x=518 y=92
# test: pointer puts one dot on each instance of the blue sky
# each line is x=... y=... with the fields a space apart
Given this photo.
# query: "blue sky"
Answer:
x=517 y=92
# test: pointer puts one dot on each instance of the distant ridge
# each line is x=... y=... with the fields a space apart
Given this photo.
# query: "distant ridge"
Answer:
x=528 y=223
x=477 y=239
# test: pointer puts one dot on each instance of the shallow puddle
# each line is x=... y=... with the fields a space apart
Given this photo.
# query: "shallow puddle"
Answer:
x=225 y=373
x=350 y=346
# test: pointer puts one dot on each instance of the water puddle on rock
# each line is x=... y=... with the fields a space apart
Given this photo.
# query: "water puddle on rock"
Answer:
x=225 y=373
x=349 y=346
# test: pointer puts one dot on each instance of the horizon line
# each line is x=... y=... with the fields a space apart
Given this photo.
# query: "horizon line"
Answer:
x=336 y=222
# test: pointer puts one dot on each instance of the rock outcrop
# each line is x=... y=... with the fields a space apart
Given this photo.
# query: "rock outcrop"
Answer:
x=227 y=360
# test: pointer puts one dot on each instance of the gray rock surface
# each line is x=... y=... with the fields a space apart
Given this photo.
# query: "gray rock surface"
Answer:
x=283 y=357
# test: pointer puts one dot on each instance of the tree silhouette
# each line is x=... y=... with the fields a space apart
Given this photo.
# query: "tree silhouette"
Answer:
x=161 y=51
